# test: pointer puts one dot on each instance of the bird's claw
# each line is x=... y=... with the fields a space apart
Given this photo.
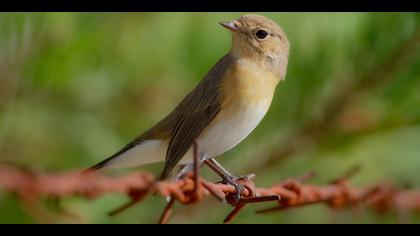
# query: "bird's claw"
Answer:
x=235 y=182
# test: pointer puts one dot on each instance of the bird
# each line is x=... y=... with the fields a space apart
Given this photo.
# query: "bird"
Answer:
x=223 y=109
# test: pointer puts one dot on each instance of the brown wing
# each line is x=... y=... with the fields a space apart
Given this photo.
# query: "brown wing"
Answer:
x=194 y=114
x=185 y=123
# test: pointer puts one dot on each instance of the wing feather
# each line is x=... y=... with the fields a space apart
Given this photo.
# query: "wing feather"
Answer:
x=185 y=123
x=194 y=114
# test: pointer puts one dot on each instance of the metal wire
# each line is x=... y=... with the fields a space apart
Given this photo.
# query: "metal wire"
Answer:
x=289 y=193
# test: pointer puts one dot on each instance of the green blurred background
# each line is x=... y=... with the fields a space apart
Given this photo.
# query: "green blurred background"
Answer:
x=76 y=87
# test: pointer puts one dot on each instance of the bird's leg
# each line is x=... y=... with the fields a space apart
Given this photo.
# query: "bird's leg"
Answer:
x=219 y=169
x=227 y=177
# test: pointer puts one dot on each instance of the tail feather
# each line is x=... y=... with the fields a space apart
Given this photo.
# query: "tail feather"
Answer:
x=149 y=151
x=98 y=166
x=105 y=162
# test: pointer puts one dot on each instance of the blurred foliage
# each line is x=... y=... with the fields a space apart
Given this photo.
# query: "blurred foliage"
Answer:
x=75 y=87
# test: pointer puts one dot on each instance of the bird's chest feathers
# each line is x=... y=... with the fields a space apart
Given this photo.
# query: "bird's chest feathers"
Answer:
x=246 y=93
x=247 y=85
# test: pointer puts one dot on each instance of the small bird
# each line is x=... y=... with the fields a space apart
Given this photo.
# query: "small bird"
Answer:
x=223 y=109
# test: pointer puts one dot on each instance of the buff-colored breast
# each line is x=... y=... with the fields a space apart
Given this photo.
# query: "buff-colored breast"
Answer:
x=246 y=94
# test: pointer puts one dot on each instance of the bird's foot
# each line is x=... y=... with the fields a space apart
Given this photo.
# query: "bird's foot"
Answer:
x=240 y=185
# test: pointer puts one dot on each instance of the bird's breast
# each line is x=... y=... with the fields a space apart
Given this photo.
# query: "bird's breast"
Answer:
x=246 y=94
x=230 y=127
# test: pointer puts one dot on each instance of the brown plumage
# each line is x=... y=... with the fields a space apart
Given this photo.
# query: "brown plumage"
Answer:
x=226 y=105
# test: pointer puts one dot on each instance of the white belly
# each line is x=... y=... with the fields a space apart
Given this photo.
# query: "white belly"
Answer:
x=228 y=130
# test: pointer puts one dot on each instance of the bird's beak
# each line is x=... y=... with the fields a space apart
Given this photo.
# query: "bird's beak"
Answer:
x=232 y=26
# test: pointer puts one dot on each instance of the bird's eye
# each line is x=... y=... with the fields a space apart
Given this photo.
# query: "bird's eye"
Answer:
x=261 y=34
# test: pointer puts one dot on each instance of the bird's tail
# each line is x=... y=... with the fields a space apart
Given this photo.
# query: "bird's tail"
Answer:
x=98 y=166
x=147 y=152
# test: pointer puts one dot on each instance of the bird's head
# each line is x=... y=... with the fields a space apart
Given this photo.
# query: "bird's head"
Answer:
x=259 y=38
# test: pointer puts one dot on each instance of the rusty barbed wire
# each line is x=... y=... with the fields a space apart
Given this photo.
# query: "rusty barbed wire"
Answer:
x=30 y=186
